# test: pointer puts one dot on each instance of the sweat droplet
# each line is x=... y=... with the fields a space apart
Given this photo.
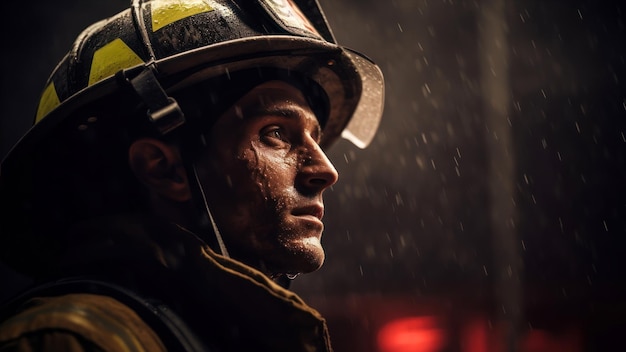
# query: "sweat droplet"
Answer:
x=292 y=276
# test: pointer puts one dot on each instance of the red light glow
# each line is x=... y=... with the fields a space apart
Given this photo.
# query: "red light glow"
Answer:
x=412 y=334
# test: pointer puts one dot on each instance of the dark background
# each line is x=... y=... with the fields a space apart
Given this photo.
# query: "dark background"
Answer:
x=491 y=203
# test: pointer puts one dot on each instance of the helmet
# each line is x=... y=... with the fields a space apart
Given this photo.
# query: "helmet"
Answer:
x=187 y=41
x=143 y=56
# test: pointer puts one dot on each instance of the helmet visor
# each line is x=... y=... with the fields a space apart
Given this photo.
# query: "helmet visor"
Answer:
x=364 y=123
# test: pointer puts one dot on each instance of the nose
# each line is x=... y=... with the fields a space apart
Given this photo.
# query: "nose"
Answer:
x=316 y=171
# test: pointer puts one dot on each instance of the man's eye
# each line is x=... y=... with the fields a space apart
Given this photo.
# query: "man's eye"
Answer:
x=274 y=135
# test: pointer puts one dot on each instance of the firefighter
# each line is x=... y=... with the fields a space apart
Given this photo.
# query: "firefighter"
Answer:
x=171 y=185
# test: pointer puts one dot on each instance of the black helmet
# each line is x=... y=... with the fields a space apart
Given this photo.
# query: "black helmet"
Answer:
x=182 y=42
x=146 y=54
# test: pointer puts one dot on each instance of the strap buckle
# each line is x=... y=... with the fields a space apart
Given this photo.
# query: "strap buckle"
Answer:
x=167 y=118
x=163 y=110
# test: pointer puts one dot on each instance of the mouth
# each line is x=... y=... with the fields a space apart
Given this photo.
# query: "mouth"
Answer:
x=314 y=211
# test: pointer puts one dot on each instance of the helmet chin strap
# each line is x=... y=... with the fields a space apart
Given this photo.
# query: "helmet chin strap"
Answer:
x=216 y=231
x=283 y=280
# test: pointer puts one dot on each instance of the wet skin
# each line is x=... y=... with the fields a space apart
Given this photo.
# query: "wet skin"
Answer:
x=264 y=174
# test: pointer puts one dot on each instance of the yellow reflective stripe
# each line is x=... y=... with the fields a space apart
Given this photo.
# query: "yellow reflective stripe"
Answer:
x=165 y=12
x=49 y=101
x=110 y=59
x=72 y=316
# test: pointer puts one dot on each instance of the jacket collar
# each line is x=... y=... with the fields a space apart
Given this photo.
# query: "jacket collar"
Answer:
x=212 y=292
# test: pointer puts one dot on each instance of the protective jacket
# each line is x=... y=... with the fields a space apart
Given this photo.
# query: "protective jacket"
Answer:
x=207 y=301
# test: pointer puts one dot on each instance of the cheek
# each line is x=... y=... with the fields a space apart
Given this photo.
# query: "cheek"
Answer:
x=271 y=176
x=255 y=189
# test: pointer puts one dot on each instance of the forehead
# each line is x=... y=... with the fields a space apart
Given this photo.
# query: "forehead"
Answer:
x=272 y=98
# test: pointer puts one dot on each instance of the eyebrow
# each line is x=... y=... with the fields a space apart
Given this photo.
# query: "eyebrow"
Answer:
x=282 y=111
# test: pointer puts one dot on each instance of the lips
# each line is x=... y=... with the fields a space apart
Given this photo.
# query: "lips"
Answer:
x=314 y=210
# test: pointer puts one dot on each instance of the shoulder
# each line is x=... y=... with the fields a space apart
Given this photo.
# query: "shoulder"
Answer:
x=84 y=319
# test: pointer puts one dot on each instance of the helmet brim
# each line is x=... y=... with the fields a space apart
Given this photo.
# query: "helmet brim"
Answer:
x=352 y=82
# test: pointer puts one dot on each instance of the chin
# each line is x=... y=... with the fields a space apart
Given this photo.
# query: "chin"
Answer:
x=312 y=254
x=304 y=256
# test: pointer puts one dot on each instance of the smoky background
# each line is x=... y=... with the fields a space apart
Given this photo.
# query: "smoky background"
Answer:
x=491 y=204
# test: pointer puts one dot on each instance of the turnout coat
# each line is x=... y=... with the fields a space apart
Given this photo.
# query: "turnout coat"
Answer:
x=134 y=283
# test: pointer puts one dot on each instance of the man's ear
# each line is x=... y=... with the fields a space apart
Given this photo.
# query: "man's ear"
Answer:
x=159 y=166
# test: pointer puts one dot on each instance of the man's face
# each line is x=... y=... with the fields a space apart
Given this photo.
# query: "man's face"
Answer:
x=264 y=174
